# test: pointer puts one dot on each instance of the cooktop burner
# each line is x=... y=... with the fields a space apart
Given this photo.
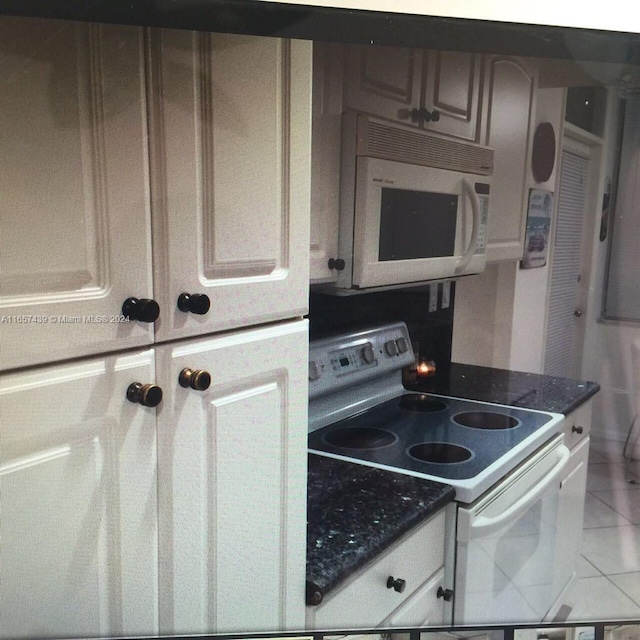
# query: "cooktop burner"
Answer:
x=486 y=420
x=420 y=402
x=439 y=452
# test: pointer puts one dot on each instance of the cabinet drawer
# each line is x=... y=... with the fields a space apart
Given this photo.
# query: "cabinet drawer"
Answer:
x=423 y=608
x=577 y=425
x=366 y=601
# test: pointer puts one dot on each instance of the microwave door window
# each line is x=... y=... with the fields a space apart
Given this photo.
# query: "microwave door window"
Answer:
x=417 y=224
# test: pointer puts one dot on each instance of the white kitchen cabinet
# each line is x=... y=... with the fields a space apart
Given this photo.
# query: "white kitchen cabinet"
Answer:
x=573 y=485
x=232 y=464
x=325 y=160
x=78 y=501
x=230 y=129
x=366 y=600
x=412 y=85
x=510 y=86
x=75 y=239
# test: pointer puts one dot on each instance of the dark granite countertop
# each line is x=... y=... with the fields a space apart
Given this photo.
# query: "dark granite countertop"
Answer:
x=516 y=388
x=355 y=512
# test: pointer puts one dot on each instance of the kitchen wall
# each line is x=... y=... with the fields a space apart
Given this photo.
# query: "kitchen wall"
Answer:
x=501 y=314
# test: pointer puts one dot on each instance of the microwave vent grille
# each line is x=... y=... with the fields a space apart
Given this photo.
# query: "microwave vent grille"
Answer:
x=401 y=145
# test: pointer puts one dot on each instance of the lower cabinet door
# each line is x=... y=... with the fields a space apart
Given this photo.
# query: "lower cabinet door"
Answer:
x=232 y=462
x=78 y=501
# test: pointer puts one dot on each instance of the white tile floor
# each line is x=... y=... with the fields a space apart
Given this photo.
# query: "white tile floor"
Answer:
x=608 y=581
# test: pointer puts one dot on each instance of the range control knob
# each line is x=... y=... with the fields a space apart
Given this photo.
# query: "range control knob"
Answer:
x=197 y=303
x=148 y=395
x=403 y=345
x=197 y=379
x=391 y=348
x=367 y=353
x=141 y=309
x=314 y=370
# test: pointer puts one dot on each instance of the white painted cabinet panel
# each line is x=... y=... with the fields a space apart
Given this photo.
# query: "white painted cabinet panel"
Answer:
x=74 y=215
x=230 y=143
x=325 y=159
x=78 y=501
x=453 y=86
x=510 y=89
x=232 y=483
x=384 y=81
x=435 y=90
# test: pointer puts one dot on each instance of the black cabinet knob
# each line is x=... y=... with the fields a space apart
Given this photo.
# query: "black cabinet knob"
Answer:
x=435 y=115
x=141 y=309
x=336 y=263
x=197 y=303
x=576 y=429
x=148 y=395
x=197 y=379
x=445 y=594
x=415 y=114
x=397 y=584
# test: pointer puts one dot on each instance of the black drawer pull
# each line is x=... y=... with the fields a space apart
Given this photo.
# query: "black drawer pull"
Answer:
x=445 y=594
x=577 y=429
x=397 y=584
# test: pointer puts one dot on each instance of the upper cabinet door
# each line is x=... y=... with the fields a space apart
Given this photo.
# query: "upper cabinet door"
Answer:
x=78 y=497
x=384 y=81
x=452 y=96
x=74 y=213
x=230 y=143
x=510 y=88
x=434 y=90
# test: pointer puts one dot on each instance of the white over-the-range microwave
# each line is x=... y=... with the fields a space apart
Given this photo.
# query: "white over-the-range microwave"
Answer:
x=413 y=207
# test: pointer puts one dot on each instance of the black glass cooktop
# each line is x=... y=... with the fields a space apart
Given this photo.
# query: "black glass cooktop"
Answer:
x=447 y=438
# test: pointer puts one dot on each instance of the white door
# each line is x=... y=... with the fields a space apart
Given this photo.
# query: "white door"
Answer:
x=230 y=133
x=565 y=321
x=75 y=239
x=232 y=461
x=78 y=499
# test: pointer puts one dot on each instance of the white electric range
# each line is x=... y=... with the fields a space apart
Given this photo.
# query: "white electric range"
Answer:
x=503 y=462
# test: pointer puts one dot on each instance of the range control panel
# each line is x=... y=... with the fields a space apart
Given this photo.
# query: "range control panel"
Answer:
x=345 y=360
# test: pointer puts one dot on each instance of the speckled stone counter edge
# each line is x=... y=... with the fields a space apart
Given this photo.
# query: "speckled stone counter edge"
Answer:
x=356 y=512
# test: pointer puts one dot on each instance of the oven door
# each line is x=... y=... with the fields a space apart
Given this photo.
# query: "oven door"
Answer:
x=506 y=542
x=415 y=223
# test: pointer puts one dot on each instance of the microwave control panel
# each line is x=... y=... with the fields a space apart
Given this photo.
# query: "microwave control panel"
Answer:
x=482 y=191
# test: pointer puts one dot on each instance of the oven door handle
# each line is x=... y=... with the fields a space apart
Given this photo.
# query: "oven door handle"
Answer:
x=475 y=208
x=486 y=526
